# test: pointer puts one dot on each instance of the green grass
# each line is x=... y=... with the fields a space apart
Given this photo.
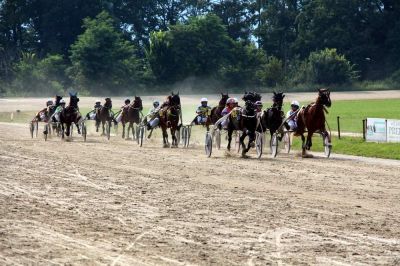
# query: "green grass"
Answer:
x=355 y=146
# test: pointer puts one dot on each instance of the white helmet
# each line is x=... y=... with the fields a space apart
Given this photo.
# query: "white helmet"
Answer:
x=203 y=100
x=97 y=101
x=230 y=100
x=236 y=100
x=62 y=101
x=295 y=103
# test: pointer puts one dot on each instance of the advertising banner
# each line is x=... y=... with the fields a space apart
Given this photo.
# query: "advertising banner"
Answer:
x=393 y=130
x=376 y=130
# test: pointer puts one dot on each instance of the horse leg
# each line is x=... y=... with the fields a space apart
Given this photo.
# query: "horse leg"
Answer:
x=103 y=127
x=174 y=139
x=303 y=145
x=123 y=130
x=230 y=131
x=241 y=142
x=62 y=130
x=309 y=140
x=165 y=137
x=97 y=125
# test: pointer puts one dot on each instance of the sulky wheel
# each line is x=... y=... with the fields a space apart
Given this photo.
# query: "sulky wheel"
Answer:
x=259 y=144
x=274 y=143
x=208 y=144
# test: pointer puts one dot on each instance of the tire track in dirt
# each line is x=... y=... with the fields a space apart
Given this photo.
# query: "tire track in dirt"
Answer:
x=105 y=202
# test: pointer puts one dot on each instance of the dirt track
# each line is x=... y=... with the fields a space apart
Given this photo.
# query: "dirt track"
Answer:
x=113 y=203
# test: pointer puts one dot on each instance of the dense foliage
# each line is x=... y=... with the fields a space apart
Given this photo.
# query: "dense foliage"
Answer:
x=127 y=46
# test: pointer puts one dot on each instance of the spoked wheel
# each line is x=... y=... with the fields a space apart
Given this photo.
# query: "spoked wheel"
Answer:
x=208 y=144
x=287 y=141
x=189 y=133
x=37 y=128
x=31 y=129
x=46 y=131
x=137 y=133
x=259 y=144
x=274 y=145
x=237 y=141
x=183 y=136
x=84 y=132
x=141 y=135
x=327 y=145
x=108 y=130
x=218 y=139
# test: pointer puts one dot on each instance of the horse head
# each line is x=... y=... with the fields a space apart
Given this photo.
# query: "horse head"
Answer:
x=277 y=99
x=108 y=103
x=58 y=99
x=251 y=96
x=137 y=102
x=73 y=100
x=250 y=107
x=324 y=97
x=224 y=98
x=175 y=100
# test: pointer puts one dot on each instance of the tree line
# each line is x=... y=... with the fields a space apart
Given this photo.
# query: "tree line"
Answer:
x=128 y=46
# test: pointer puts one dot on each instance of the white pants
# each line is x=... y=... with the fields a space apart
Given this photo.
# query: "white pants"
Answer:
x=57 y=117
x=292 y=124
x=153 y=123
x=201 y=119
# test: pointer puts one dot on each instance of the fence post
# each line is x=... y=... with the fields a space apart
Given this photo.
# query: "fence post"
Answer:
x=338 y=126
x=364 y=122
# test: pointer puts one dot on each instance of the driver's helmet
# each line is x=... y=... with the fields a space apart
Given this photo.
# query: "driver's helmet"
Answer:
x=62 y=101
x=230 y=101
x=156 y=104
x=236 y=100
x=127 y=101
x=259 y=104
x=204 y=100
x=49 y=102
x=98 y=102
x=295 y=104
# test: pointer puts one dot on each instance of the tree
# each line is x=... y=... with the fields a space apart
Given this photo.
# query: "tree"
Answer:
x=327 y=67
x=102 y=61
x=198 y=48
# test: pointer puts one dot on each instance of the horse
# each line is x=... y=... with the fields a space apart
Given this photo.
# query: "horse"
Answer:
x=245 y=120
x=131 y=114
x=251 y=96
x=312 y=119
x=70 y=115
x=103 y=115
x=170 y=114
x=272 y=118
x=216 y=111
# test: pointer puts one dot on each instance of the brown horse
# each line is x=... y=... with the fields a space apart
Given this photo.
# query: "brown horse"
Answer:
x=312 y=119
x=170 y=114
x=104 y=114
x=216 y=111
x=131 y=114
x=70 y=115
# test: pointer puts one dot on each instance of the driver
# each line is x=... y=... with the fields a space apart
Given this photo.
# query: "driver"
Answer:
x=152 y=116
x=59 y=110
x=203 y=111
x=291 y=115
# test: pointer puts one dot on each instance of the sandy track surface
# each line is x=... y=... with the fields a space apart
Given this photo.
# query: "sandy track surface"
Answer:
x=113 y=203
x=29 y=104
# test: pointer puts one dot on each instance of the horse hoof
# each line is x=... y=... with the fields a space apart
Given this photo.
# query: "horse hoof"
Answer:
x=166 y=146
x=252 y=144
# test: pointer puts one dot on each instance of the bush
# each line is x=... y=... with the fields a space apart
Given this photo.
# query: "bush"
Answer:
x=325 y=67
x=272 y=73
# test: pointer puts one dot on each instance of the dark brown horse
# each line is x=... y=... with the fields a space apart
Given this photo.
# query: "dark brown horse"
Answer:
x=70 y=115
x=312 y=119
x=170 y=114
x=245 y=120
x=216 y=111
x=132 y=114
x=104 y=114
x=273 y=117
